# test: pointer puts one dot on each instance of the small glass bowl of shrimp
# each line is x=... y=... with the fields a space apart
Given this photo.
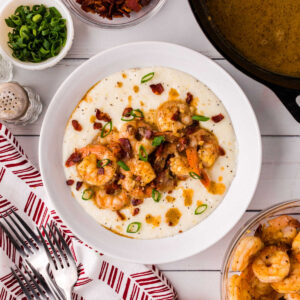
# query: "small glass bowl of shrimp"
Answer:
x=263 y=259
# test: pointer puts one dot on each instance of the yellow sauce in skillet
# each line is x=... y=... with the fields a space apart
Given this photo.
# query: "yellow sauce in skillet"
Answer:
x=265 y=32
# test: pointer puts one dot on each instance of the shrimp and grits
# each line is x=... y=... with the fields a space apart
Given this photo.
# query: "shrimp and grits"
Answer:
x=149 y=152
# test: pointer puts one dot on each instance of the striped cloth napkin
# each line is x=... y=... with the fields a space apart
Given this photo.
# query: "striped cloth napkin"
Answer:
x=100 y=276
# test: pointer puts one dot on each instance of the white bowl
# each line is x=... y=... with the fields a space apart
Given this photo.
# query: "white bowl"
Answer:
x=220 y=221
x=9 y=8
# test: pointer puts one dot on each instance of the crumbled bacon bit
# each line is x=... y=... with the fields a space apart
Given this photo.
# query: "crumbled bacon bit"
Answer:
x=79 y=185
x=192 y=128
x=175 y=116
x=126 y=146
x=127 y=111
x=102 y=116
x=112 y=8
x=157 y=89
x=136 y=202
x=189 y=98
x=121 y=216
x=221 y=151
x=76 y=125
x=97 y=125
x=70 y=182
x=148 y=134
x=130 y=129
x=134 y=5
x=73 y=159
x=100 y=171
x=138 y=178
x=218 y=118
x=182 y=144
x=136 y=211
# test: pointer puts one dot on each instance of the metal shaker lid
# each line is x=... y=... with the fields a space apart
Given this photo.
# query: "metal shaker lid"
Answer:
x=13 y=101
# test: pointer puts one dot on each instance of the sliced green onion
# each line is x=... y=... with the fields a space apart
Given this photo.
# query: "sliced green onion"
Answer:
x=147 y=77
x=123 y=165
x=137 y=113
x=200 y=209
x=127 y=119
x=156 y=195
x=195 y=175
x=200 y=118
x=103 y=163
x=37 y=18
x=158 y=140
x=134 y=227
x=103 y=132
x=87 y=194
x=143 y=155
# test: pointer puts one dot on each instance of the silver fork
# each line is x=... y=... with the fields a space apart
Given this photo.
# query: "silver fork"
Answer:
x=32 y=251
x=28 y=289
x=62 y=262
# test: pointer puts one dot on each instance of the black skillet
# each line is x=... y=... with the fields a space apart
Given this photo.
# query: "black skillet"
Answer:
x=285 y=87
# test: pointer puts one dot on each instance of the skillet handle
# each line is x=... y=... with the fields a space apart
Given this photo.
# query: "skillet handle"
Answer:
x=288 y=98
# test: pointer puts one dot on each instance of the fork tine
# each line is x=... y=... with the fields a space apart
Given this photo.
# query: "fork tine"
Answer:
x=62 y=254
x=17 y=235
x=56 y=258
x=13 y=240
x=24 y=289
x=29 y=230
x=22 y=232
x=39 y=278
x=28 y=284
x=65 y=245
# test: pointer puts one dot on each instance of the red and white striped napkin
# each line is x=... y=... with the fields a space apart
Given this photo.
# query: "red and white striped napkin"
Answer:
x=100 y=277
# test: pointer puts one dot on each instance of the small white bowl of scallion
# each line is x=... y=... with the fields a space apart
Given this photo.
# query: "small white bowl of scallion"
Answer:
x=35 y=34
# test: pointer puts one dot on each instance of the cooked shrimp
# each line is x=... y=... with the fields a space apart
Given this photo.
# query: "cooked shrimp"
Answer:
x=140 y=174
x=237 y=289
x=139 y=134
x=272 y=264
x=290 y=284
x=173 y=115
x=296 y=246
x=245 y=251
x=282 y=229
x=255 y=287
x=208 y=146
x=292 y=296
x=113 y=202
x=88 y=169
x=179 y=166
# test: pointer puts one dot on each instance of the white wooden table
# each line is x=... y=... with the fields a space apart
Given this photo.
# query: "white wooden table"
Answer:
x=197 y=277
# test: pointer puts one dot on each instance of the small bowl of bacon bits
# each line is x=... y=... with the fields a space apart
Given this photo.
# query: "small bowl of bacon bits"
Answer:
x=114 y=13
x=263 y=260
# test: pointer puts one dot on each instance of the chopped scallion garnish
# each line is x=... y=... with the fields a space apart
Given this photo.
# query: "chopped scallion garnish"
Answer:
x=200 y=209
x=103 y=162
x=156 y=195
x=134 y=227
x=105 y=133
x=200 y=118
x=147 y=77
x=87 y=194
x=158 y=140
x=195 y=175
x=137 y=113
x=123 y=165
x=143 y=155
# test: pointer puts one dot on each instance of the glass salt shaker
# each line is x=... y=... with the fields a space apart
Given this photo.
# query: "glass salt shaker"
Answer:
x=19 y=105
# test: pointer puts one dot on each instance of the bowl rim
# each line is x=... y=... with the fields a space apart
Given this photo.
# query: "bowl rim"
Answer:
x=240 y=233
x=134 y=22
x=242 y=207
x=50 y=62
